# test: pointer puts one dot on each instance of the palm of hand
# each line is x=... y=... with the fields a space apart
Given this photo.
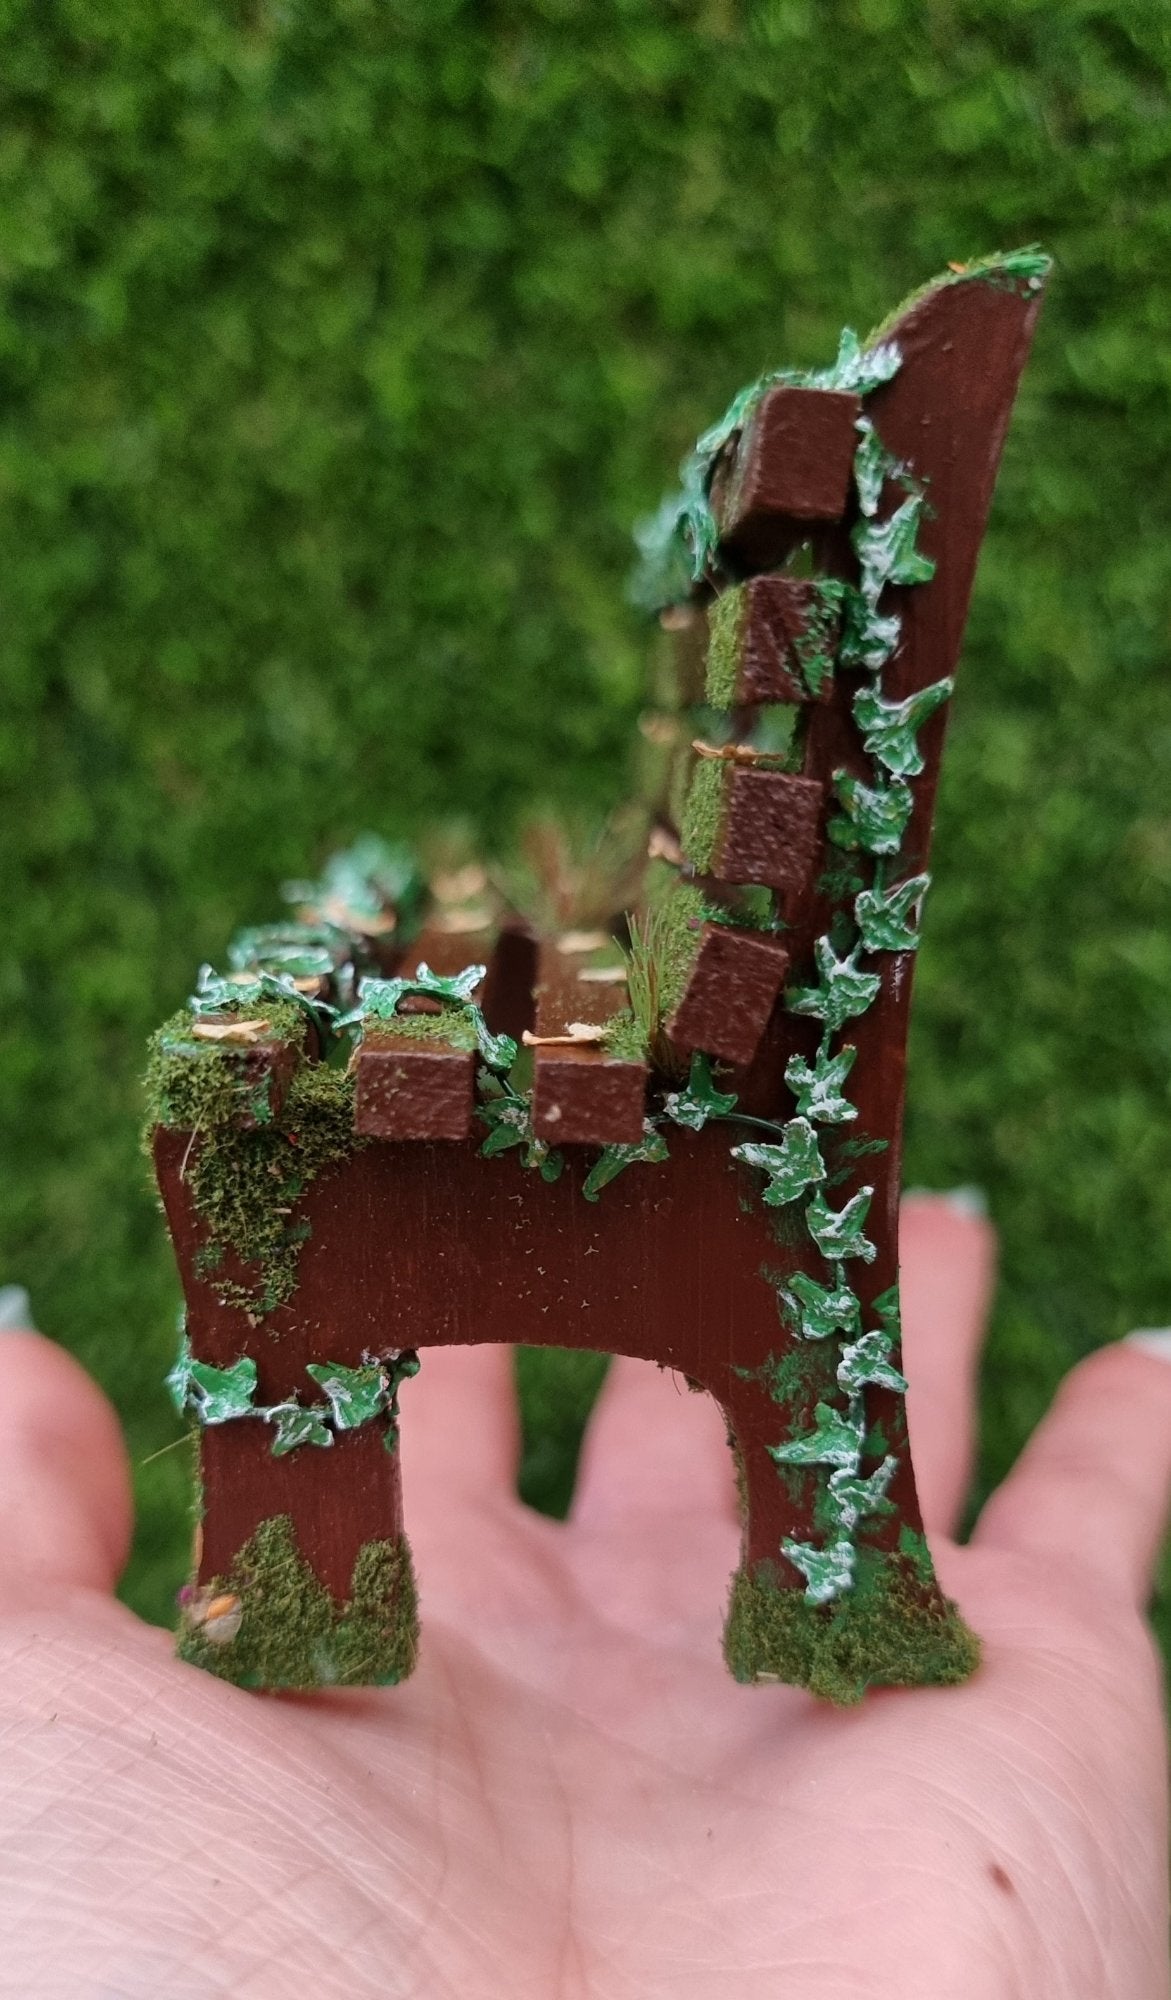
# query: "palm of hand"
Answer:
x=571 y=1798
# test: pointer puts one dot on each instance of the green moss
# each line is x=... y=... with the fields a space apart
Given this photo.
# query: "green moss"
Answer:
x=1022 y=270
x=704 y=814
x=894 y=1629
x=724 y=623
x=245 y=1183
x=816 y=646
x=626 y=1038
x=294 y=1635
x=680 y=919
x=452 y=1027
x=196 y=1086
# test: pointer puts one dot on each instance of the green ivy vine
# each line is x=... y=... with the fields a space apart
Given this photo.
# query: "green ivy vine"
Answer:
x=353 y=1397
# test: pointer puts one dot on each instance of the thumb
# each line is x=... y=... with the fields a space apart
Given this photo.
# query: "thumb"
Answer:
x=65 y=1506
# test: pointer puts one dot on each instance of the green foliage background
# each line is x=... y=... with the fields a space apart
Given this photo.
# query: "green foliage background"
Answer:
x=342 y=341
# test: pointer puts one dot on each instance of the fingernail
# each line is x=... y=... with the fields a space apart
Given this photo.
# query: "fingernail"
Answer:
x=16 y=1313
x=968 y=1200
x=1154 y=1340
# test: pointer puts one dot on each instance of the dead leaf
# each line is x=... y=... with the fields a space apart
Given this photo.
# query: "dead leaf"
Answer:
x=572 y=942
x=229 y=1031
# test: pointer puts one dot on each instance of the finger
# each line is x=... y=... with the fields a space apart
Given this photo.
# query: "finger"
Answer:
x=1091 y=1489
x=947 y=1254
x=65 y=1506
x=460 y=1428
x=653 y=1447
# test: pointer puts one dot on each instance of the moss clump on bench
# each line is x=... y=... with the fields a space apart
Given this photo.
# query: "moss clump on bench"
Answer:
x=245 y=1182
x=292 y=1633
x=893 y=1629
x=197 y=1086
x=452 y=1028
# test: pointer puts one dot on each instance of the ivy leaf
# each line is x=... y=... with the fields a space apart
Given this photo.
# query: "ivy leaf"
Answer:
x=511 y=1121
x=828 y=1572
x=873 y=466
x=887 y=550
x=889 y=728
x=222 y=1393
x=869 y=637
x=875 y=816
x=838 y=1232
x=355 y=1395
x=380 y=998
x=844 y=989
x=818 y=1086
x=815 y=644
x=614 y=1160
x=296 y=1425
x=216 y=995
x=460 y=987
x=859 y=368
x=868 y=1361
x=886 y=1305
x=819 y=1309
x=699 y=1100
x=792 y=1167
x=834 y=1440
x=179 y=1378
x=852 y=1499
x=884 y=915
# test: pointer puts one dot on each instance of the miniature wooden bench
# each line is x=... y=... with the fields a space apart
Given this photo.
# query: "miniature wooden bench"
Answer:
x=405 y=1119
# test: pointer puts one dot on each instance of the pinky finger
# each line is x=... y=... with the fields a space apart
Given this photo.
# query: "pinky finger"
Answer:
x=1092 y=1488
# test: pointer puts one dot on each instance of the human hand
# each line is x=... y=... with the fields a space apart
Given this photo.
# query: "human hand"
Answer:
x=570 y=1800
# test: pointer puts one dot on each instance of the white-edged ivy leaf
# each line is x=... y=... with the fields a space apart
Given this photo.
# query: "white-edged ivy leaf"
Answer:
x=792 y=1167
x=178 y=1378
x=859 y=368
x=614 y=1160
x=867 y=1361
x=884 y=916
x=699 y=1099
x=219 y=1394
x=355 y=1395
x=821 y=1310
x=296 y=1425
x=869 y=636
x=835 y=1439
x=379 y=999
x=459 y=986
x=873 y=466
x=852 y=1499
x=837 y=1232
x=828 y=1571
x=888 y=551
x=890 y=728
x=817 y=1086
x=509 y=1121
x=873 y=817
x=843 y=989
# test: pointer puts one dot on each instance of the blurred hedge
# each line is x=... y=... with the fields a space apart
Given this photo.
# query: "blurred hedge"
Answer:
x=341 y=341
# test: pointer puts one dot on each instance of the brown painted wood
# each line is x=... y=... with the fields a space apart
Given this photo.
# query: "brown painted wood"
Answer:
x=412 y=1090
x=771 y=829
x=677 y=1263
x=773 y=617
x=731 y=991
x=792 y=464
x=582 y=1096
x=261 y=1072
